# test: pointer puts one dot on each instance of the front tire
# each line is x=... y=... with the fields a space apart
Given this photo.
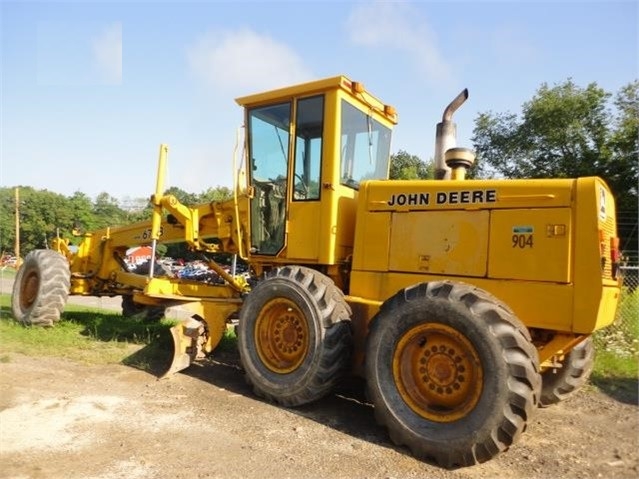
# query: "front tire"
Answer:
x=559 y=384
x=294 y=336
x=451 y=372
x=41 y=288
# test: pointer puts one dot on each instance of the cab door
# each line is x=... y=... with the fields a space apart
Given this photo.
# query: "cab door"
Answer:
x=269 y=145
x=305 y=213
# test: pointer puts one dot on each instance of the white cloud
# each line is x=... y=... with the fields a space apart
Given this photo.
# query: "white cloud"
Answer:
x=399 y=26
x=107 y=53
x=510 y=46
x=244 y=61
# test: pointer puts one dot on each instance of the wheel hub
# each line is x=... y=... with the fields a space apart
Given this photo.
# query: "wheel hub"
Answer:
x=29 y=291
x=282 y=336
x=438 y=372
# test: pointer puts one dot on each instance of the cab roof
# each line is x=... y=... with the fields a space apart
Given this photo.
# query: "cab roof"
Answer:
x=355 y=89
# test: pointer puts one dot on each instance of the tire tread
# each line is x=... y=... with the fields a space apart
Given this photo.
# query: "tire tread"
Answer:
x=54 y=283
x=577 y=365
x=336 y=344
x=520 y=356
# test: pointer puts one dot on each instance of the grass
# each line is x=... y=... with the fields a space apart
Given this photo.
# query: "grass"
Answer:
x=616 y=367
x=88 y=335
x=617 y=375
x=7 y=272
x=611 y=364
x=95 y=336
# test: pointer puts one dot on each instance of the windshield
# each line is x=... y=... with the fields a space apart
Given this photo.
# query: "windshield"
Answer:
x=365 y=147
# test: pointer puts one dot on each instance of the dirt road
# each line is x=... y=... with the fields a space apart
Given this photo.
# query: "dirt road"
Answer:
x=60 y=419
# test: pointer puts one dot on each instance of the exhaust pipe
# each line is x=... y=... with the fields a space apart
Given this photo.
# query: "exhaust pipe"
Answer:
x=446 y=136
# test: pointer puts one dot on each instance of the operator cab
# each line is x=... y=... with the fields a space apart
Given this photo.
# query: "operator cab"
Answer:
x=309 y=147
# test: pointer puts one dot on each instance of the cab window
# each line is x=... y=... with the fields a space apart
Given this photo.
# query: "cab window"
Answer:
x=365 y=147
x=268 y=150
x=309 y=129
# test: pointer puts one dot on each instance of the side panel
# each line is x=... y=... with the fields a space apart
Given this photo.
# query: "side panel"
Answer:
x=438 y=242
x=530 y=244
x=303 y=239
x=538 y=305
x=372 y=241
x=344 y=230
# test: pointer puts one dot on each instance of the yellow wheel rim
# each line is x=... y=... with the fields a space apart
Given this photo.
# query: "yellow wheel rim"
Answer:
x=282 y=337
x=437 y=372
x=29 y=289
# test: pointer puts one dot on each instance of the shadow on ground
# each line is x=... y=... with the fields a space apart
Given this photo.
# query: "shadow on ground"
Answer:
x=346 y=410
x=625 y=390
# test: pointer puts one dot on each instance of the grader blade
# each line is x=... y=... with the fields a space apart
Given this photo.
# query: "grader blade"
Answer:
x=188 y=337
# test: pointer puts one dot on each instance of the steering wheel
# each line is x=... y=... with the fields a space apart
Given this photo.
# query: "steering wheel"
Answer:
x=300 y=188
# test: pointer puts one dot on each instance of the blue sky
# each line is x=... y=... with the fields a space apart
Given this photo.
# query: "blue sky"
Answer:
x=89 y=90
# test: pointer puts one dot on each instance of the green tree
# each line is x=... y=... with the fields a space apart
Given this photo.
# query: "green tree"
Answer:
x=107 y=211
x=143 y=213
x=7 y=219
x=404 y=166
x=219 y=193
x=624 y=145
x=81 y=208
x=183 y=197
x=567 y=131
x=43 y=214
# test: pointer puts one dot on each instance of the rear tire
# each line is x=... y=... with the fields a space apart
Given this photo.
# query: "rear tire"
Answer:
x=559 y=384
x=41 y=288
x=451 y=372
x=294 y=336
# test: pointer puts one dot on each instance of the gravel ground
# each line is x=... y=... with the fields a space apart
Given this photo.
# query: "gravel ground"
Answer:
x=61 y=419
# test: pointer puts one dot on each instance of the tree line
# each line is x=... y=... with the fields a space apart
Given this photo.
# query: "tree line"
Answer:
x=564 y=131
x=45 y=214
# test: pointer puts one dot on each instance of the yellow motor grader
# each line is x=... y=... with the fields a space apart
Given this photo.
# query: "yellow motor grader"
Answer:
x=464 y=304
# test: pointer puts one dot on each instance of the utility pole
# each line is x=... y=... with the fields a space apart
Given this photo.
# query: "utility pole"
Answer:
x=17 y=245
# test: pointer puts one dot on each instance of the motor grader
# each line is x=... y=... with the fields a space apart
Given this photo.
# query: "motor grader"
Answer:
x=464 y=304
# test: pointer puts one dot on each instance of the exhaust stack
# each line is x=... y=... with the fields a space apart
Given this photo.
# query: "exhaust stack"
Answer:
x=446 y=136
